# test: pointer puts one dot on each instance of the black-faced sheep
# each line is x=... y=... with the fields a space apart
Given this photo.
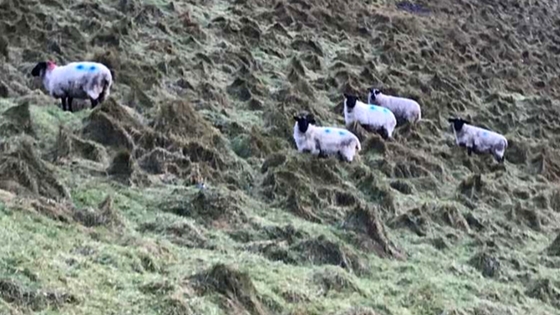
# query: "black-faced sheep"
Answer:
x=324 y=141
x=371 y=117
x=404 y=109
x=81 y=80
x=478 y=140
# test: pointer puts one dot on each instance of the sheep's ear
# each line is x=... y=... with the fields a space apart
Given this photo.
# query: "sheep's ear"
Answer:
x=450 y=120
x=296 y=117
x=346 y=95
x=36 y=71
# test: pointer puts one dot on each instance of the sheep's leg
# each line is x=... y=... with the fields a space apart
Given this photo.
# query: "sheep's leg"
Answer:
x=322 y=154
x=401 y=121
x=69 y=101
x=63 y=101
x=346 y=155
x=94 y=102
x=316 y=151
x=383 y=133
x=341 y=156
x=101 y=97
x=500 y=159
x=469 y=151
x=410 y=125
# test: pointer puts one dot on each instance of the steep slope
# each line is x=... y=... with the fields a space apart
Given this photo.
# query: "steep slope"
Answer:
x=101 y=212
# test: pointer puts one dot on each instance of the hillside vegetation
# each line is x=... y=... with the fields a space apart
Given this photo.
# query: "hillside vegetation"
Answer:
x=102 y=212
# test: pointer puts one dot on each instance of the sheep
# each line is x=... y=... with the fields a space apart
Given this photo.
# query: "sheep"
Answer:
x=81 y=80
x=371 y=117
x=405 y=109
x=478 y=140
x=324 y=141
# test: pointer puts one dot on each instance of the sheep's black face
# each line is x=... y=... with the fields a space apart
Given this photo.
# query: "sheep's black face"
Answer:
x=39 y=69
x=350 y=100
x=372 y=94
x=457 y=123
x=303 y=122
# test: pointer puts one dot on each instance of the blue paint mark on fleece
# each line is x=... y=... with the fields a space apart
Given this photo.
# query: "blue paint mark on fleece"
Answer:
x=82 y=67
x=372 y=108
x=327 y=130
x=484 y=134
x=385 y=110
x=342 y=133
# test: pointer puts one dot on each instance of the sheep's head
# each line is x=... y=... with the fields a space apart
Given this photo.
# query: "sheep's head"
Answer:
x=41 y=67
x=350 y=100
x=457 y=123
x=372 y=93
x=304 y=120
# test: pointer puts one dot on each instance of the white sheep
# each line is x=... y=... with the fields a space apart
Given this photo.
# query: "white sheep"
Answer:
x=478 y=140
x=404 y=109
x=371 y=117
x=81 y=80
x=324 y=141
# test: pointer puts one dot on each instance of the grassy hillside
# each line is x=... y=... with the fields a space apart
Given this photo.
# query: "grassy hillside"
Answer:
x=101 y=212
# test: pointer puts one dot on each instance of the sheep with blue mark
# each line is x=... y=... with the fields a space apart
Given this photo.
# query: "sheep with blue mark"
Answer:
x=370 y=117
x=404 y=109
x=324 y=141
x=80 y=80
x=478 y=140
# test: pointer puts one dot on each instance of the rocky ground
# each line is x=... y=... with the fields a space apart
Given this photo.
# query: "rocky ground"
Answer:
x=101 y=212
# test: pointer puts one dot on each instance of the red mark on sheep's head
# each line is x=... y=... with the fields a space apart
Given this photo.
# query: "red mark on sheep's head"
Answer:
x=51 y=65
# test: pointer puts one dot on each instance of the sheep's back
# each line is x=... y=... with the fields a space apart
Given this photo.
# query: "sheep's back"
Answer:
x=373 y=114
x=489 y=136
x=87 y=67
x=76 y=71
x=400 y=106
x=333 y=137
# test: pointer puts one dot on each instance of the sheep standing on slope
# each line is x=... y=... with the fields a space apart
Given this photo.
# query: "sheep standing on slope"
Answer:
x=81 y=80
x=324 y=141
x=404 y=109
x=478 y=140
x=371 y=117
